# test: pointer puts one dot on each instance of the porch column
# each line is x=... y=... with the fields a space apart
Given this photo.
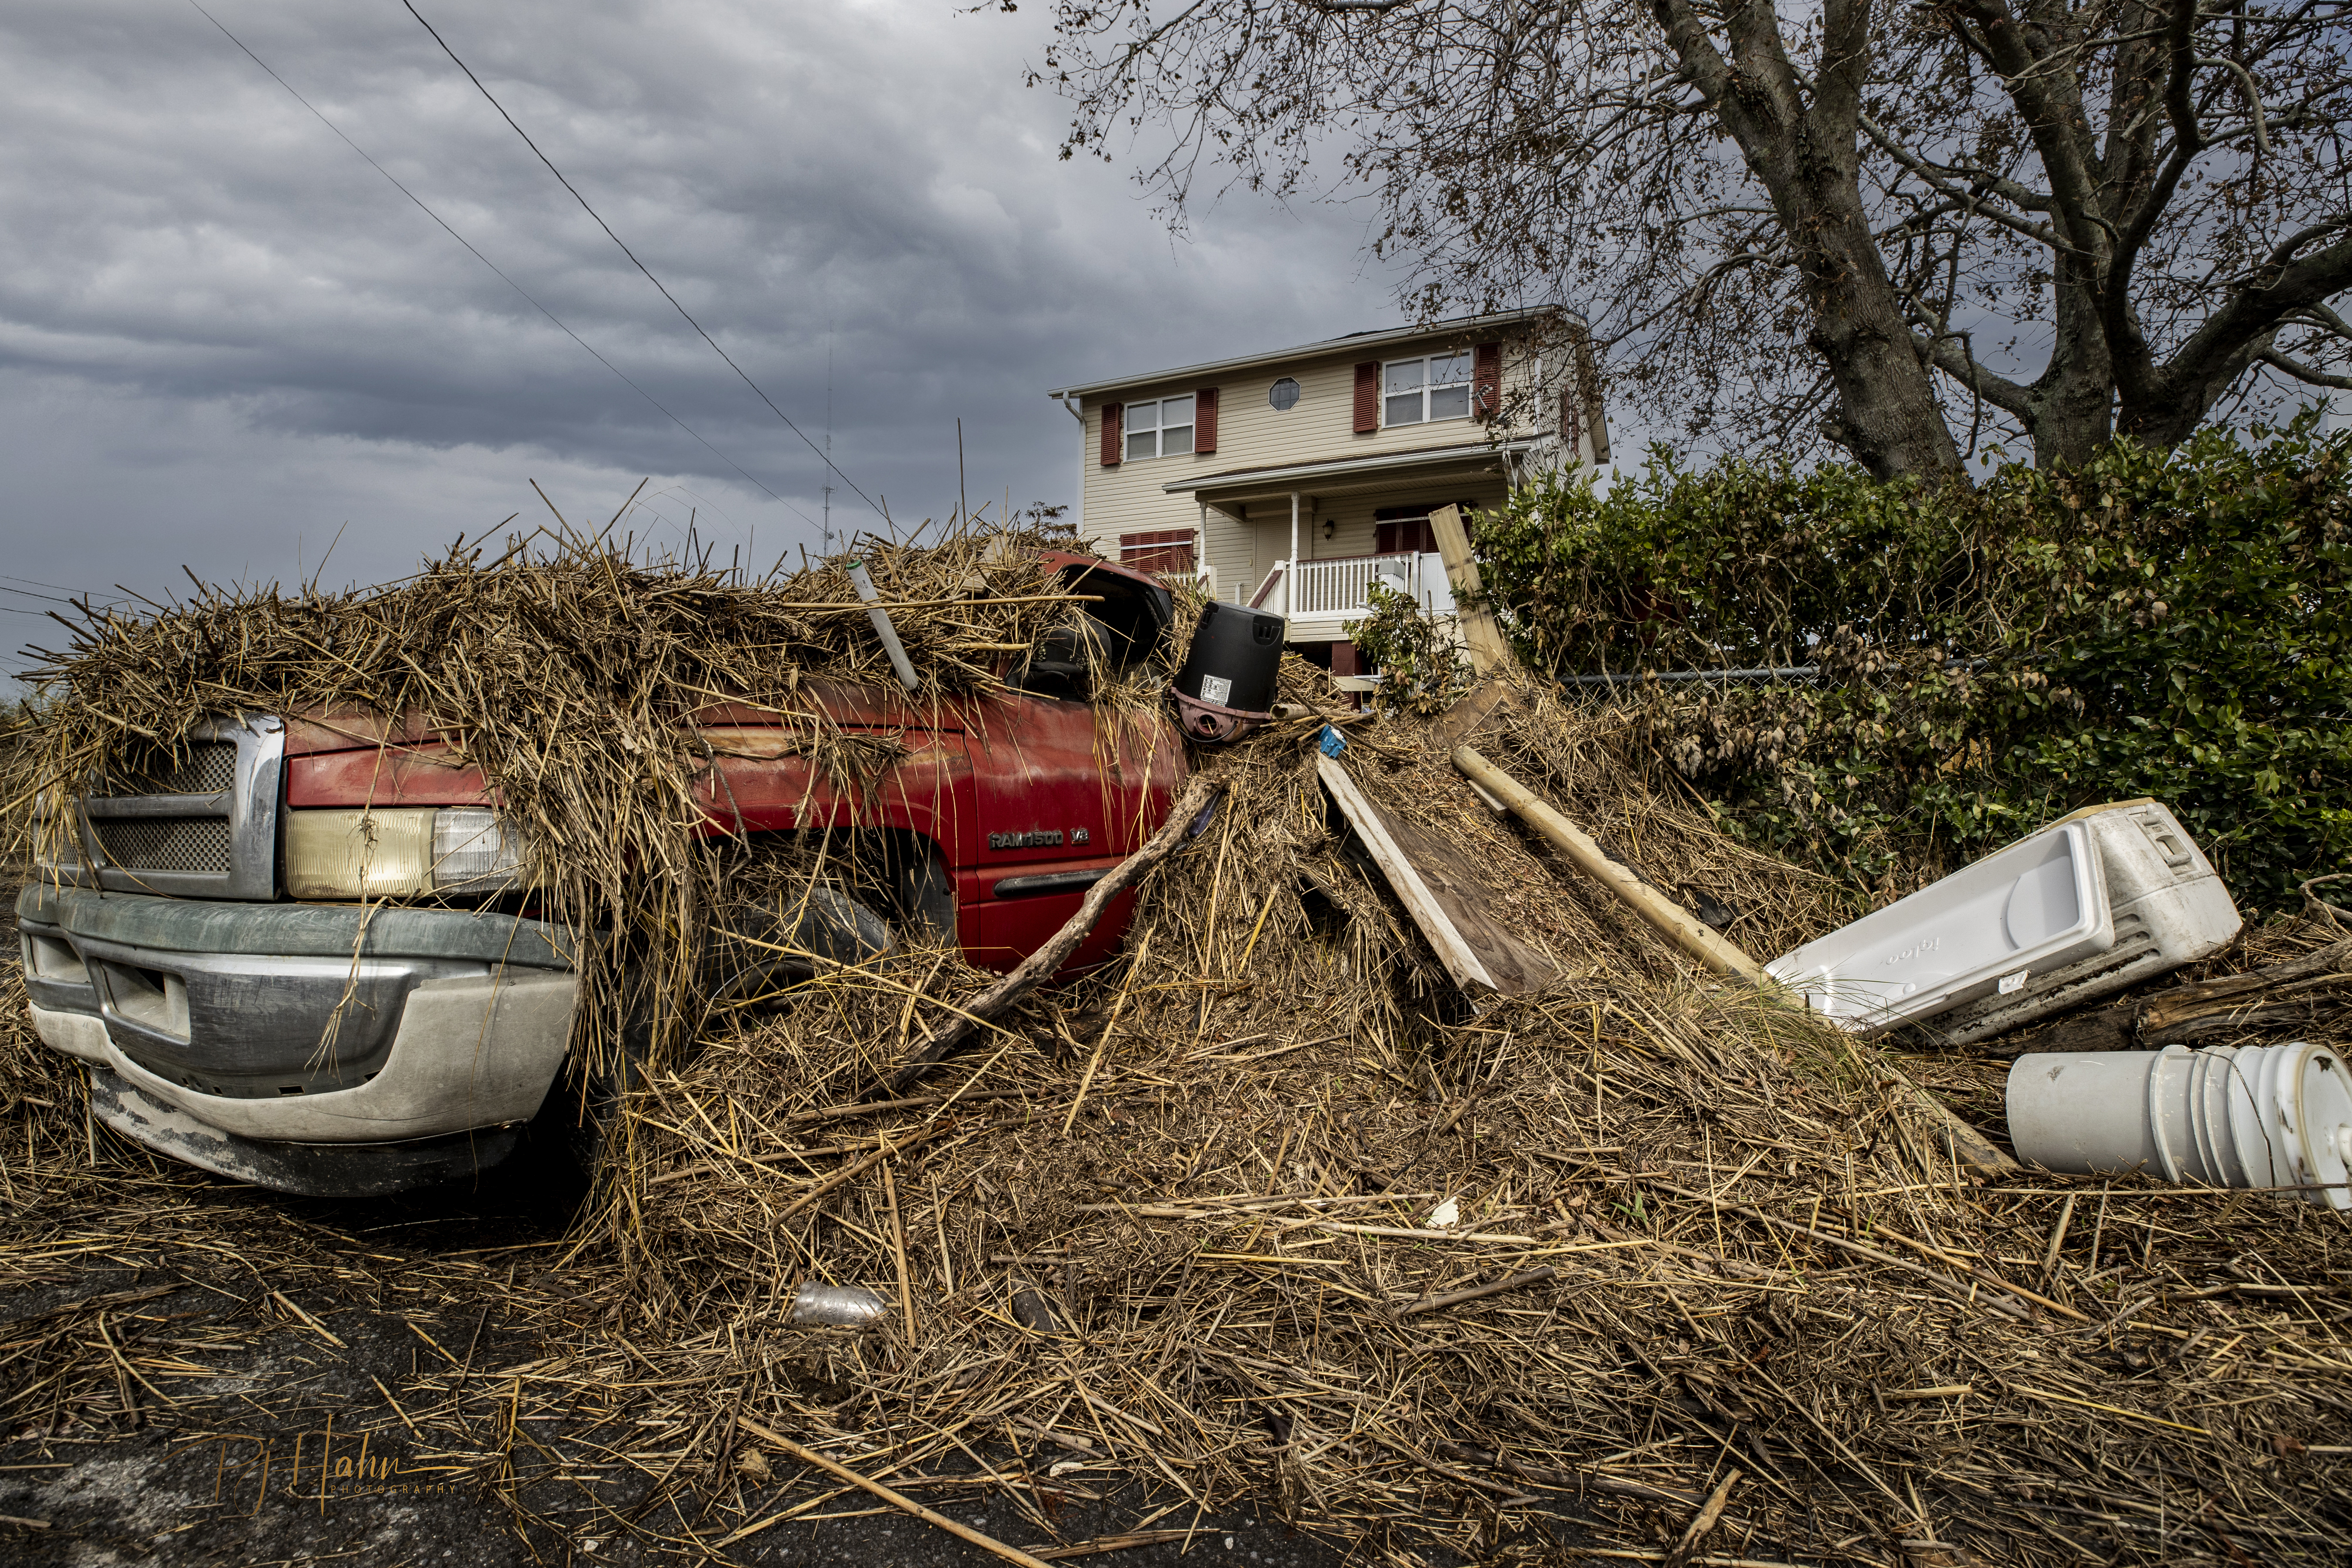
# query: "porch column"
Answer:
x=1293 y=550
x=1201 y=543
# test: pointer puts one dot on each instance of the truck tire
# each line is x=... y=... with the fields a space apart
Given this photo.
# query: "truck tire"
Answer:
x=563 y=1143
x=756 y=948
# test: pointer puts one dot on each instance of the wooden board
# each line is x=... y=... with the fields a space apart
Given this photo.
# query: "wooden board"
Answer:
x=1464 y=719
x=1440 y=892
x=1454 y=882
x=1489 y=649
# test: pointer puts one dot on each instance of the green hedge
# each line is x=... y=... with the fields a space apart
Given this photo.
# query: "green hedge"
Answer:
x=2175 y=624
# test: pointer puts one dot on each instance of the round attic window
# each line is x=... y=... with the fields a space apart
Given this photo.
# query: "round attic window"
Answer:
x=1283 y=395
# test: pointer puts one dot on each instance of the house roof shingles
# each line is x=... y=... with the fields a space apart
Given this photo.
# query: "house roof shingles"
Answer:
x=1332 y=468
x=1364 y=339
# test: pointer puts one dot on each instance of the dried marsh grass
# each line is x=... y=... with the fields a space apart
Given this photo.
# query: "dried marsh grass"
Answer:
x=1263 y=1211
x=1692 y=1235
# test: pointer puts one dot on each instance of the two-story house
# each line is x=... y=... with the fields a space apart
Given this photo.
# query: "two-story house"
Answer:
x=1294 y=479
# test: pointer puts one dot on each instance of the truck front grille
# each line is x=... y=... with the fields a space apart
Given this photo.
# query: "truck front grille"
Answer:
x=206 y=768
x=168 y=844
x=198 y=824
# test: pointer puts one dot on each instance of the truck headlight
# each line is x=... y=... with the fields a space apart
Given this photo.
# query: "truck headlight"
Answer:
x=402 y=853
x=473 y=848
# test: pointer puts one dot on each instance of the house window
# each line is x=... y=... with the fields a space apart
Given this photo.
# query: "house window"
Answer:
x=1159 y=550
x=1406 y=530
x=1420 y=390
x=1161 y=429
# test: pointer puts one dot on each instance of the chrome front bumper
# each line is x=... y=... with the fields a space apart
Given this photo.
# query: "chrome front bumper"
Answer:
x=273 y=1042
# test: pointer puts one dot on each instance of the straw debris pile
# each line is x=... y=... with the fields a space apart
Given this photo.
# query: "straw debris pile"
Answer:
x=1264 y=1211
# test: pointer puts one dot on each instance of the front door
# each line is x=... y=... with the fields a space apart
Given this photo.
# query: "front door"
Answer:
x=1269 y=542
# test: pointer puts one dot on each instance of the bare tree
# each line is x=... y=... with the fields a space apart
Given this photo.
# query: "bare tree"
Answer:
x=1905 y=230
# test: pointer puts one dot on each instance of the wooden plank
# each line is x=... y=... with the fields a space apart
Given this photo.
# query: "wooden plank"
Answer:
x=1489 y=649
x=1459 y=722
x=1672 y=921
x=1372 y=828
x=1457 y=885
x=1440 y=890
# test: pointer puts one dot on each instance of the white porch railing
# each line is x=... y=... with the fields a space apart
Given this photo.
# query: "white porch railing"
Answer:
x=1326 y=590
x=1205 y=578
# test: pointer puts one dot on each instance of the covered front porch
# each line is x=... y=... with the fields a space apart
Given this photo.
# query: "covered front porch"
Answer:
x=1307 y=542
x=1319 y=598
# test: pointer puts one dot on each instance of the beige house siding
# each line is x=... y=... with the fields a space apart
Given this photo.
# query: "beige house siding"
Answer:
x=1248 y=522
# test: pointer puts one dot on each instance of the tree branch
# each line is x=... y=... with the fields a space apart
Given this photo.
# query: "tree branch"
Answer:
x=2041 y=233
x=2284 y=251
x=2327 y=321
x=1948 y=355
x=2254 y=96
x=2303 y=372
x=2051 y=103
x=2253 y=311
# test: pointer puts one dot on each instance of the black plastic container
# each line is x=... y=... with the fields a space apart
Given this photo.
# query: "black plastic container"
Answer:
x=1226 y=686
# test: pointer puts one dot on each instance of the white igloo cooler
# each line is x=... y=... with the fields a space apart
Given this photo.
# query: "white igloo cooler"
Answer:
x=2108 y=896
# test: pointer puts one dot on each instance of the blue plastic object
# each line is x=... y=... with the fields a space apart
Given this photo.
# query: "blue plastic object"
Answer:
x=1330 y=741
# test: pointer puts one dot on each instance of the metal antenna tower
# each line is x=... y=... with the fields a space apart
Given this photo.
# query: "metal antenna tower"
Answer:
x=827 y=525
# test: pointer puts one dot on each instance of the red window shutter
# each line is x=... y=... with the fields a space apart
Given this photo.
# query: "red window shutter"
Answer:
x=1367 y=397
x=1158 y=550
x=1486 y=388
x=1111 y=434
x=1204 y=420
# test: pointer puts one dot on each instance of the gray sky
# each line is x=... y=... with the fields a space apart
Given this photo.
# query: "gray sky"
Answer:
x=224 y=337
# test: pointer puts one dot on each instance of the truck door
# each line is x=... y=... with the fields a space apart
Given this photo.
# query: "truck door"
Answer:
x=1064 y=792
x=762 y=781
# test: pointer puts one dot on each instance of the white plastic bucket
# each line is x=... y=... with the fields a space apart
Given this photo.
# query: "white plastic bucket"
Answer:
x=2259 y=1116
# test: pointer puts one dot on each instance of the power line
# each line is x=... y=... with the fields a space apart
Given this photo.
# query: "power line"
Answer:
x=641 y=266
x=29 y=593
x=78 y=602
x=37 y=583
x=493 y=265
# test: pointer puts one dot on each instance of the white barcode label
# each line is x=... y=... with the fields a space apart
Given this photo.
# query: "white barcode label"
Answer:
x=1215 y=688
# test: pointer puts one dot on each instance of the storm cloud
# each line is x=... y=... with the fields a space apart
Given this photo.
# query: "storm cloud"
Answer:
x=225 y=339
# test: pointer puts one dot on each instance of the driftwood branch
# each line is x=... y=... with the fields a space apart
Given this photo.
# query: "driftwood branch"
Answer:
x=1680 y=1554
x=2291 y=992
x=1971 y=1147
x=1476 y=1292
x=1041 y=965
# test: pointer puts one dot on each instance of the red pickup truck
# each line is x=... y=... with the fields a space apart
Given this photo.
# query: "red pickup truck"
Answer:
x=211 y=958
